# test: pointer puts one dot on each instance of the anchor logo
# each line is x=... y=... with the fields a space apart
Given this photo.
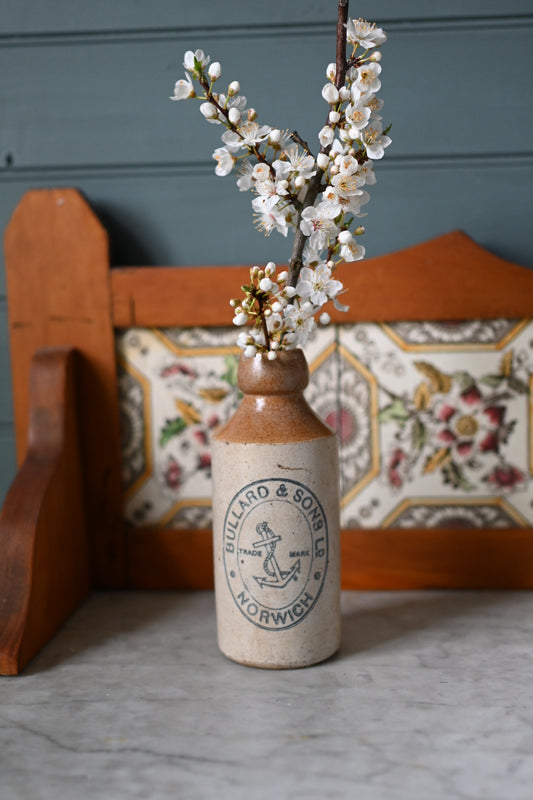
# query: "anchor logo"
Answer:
x=276 y=577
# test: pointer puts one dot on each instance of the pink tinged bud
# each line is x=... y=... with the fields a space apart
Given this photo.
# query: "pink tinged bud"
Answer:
x=334 y=117
x=330 y=94
x=214 y=71
x=234 y=88
x=322 y=160
x=234 y=116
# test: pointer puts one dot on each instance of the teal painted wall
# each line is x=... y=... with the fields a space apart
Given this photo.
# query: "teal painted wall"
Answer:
x=84 y=102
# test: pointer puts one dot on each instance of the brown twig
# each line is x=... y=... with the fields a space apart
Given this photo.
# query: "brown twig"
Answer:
x=295 y=263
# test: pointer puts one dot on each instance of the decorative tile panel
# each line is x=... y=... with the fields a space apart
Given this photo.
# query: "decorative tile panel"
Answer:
x=433 y=420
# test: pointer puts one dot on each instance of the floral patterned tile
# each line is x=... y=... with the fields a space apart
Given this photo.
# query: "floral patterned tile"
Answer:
x=433 y=420
x=454 y=424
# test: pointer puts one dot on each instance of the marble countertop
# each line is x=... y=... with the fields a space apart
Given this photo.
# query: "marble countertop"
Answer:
x=430 y=697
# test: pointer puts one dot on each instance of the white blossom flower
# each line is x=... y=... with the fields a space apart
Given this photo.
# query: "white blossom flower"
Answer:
x=225 y=161
x=357 y=115
x=245 y=181
x=358 y=31
x=274 y=219
x=261 y=172
x=315 y=224
x=295 y=162
x=367 y=78
x=374 y=140
x=247 y=135
x=327 y=135
x=195 y=62
x=352 y=251
x=183 y=89
x=366 y=172
x=347 y=164
x=317 y=285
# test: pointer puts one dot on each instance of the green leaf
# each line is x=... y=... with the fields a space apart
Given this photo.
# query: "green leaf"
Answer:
x=517 y=385
x=171 y=428
x=395 y=412
x=454 y=475
x=493 y=381
x=419 y=435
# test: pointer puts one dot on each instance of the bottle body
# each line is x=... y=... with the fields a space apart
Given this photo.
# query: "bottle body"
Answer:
x=276 y=523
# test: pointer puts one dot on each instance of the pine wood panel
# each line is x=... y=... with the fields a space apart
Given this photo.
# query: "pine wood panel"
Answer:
x=370 y=559
x=45 y=567
x=57 y=265
x=450 y=277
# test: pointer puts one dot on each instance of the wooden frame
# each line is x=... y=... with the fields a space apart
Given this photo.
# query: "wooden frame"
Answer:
x=63 y=294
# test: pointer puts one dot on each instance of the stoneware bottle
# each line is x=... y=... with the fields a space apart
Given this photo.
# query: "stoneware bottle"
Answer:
x=276 y=522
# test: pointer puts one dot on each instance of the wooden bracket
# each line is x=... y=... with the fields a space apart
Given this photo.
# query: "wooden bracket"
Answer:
x=45 y=565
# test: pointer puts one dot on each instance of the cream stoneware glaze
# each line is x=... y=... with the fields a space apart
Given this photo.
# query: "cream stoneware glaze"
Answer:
x=276 y=522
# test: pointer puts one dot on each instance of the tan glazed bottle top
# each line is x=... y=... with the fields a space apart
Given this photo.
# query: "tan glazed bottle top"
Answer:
x=273 y=409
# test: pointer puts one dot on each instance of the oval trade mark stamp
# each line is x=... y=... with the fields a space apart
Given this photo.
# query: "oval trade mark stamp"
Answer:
x=275 y=547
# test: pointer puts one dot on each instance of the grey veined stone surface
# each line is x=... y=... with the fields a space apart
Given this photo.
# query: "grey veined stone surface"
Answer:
x=429 y=697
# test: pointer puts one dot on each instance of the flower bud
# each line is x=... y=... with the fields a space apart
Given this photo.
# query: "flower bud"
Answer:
x=331 y=72
x=330 y=94
x=274 y=136
x=234 y=116
x=277 y=307
x=214 y=71
x=234 y=88
x=344 y=93
x=359 y=231
x=240 y=319
x=274 y=345
x=272 y=355
x=252 y=114
x=334 y=117
x=290 y=291
x=270 y=269
x=324 y=318
x=326 y=136
x=375 y=56
x=283 y=276
x=250 y=351
x=209 y=110
x=345 y=237
x=299 y=182
x=265 y=285
x=322 y=161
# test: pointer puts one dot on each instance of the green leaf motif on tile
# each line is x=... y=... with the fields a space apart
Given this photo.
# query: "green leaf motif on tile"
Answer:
x=394 y=412
x=419 y=434
x=492 y=381
x=230 y=375
x=454 y=476
x=171 y=428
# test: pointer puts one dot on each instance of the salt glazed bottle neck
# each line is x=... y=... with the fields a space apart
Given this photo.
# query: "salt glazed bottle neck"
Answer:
x=273 y=409
x=287 y=374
